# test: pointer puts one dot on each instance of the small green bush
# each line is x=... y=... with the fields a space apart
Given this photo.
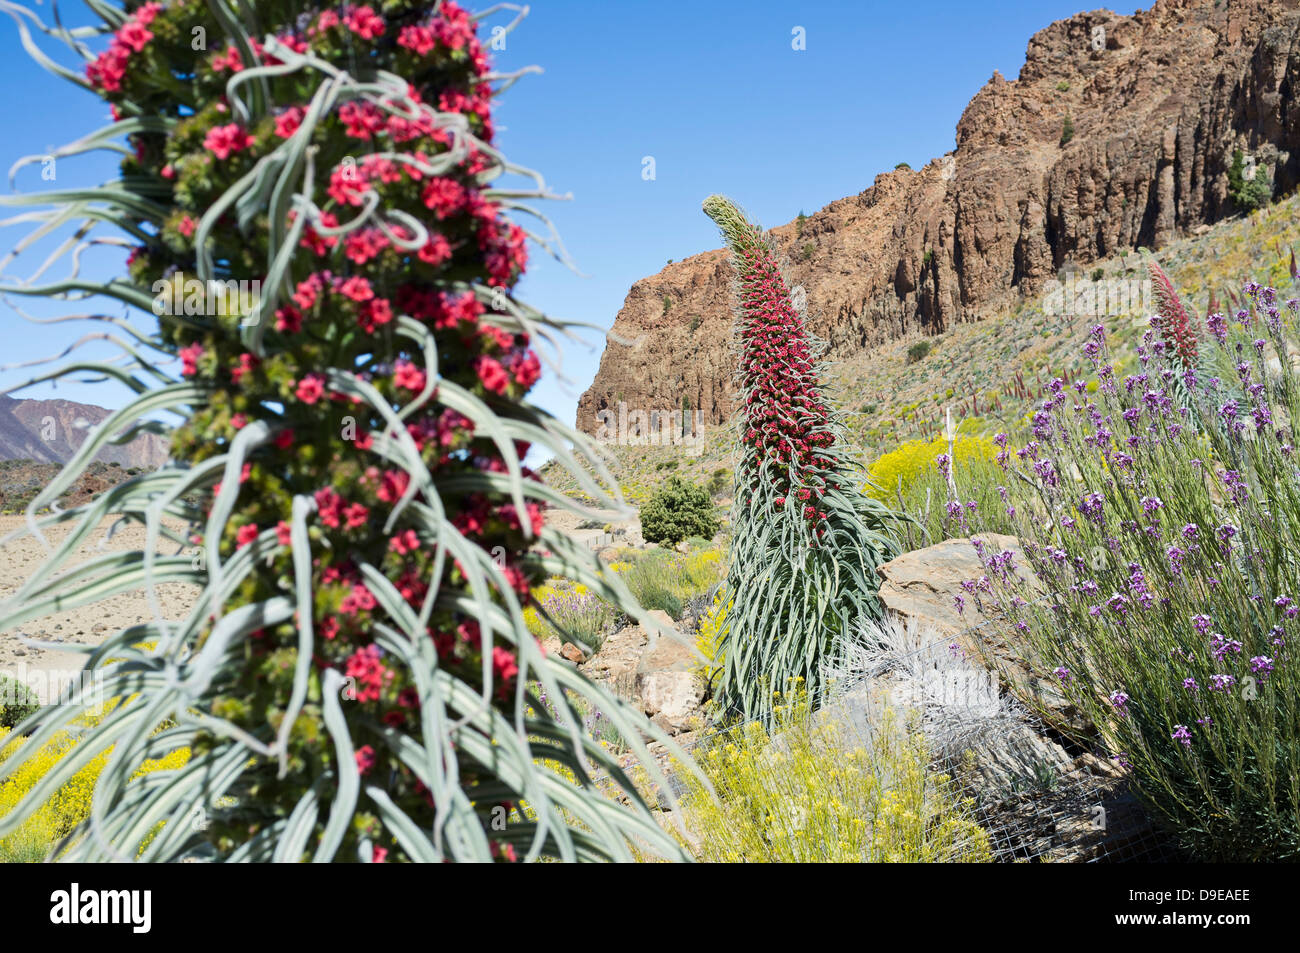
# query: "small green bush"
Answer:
x=1067 y=131
x=1247 y=194
x=680 y=509
x=17 y=702
x=918 y=351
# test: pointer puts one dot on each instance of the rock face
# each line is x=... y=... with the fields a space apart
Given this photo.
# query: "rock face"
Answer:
x=1158 y=102
x=50 y=431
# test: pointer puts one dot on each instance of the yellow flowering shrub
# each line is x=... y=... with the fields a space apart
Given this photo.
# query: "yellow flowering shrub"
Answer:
x=915 y=458
x=708 y=640
x=810 y=795
x=68 y=806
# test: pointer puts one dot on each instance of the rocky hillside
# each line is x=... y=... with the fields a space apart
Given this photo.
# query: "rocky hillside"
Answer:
x=1120 y=132
x=50 y=431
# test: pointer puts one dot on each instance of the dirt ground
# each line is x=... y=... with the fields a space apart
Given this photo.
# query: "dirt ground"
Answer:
x=47 y=670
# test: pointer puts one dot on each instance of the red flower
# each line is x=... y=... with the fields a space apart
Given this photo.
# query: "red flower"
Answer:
x=408 y=376
x=365 y=23
x=365 y=756
x=245 y=535
x=310 y=388
x=444 y=196
x=134 y=35
x=189 y=359
x=289 y=121
x=492 y=374
x=357 y=289
x=417 y=39
x=224 y=141
x=504 y=667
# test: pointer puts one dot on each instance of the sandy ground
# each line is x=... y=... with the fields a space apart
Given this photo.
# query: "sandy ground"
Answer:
x=46 y=671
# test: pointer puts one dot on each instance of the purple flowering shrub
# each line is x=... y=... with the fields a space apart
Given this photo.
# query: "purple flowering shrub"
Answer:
x=1162 y=532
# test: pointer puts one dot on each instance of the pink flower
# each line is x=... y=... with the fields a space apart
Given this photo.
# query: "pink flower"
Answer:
x=186 y=226
x=435 y=251
x=408 y=376
x=134 y=35
x=231 y=61
x=356 y=515
x=288 y=320
x=404 y=542
x=224 y=141
x=357 y=289
x=379 y=855
x=289 y=121
x=417 y=39
x=365 y=761
x=444 y=196
x=246 y=534
x=283 y=533
x=361 y=119
x=365 y=23
x=492 y=374
x=364 y=666
x=189 y=359
x=148 y=12
x=311 y=388
x=504 y=667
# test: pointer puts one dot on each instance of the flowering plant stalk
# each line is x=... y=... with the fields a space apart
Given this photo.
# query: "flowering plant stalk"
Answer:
x=1167 y=581
x=806 y=541
x=356 y=680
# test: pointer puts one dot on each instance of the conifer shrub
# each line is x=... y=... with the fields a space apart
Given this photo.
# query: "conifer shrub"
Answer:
x=677 y=511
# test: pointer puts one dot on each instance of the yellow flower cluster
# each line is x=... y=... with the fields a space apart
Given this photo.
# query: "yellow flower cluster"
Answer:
x=69 y=805
x=809 y=797
x=709 y=638
x=915 y=458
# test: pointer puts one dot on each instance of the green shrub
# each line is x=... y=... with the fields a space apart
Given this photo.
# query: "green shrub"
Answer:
x=17 y=701
x=918 y=351
x=677 y=510
x=1247 y=194
x=1067 y=130
x=661 y=579
x=719 y=481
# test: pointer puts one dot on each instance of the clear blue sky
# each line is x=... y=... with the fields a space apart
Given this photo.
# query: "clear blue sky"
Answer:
x=712 y=90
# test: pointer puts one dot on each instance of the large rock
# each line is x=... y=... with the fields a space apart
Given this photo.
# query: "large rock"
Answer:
x=921 y=587
x=668 y=688
x=1159 y=102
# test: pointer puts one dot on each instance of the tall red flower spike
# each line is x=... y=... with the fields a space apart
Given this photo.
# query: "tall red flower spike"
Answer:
x=801 y=583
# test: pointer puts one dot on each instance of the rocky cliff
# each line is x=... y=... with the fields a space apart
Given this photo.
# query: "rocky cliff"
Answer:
x=50 y=431
x=1118 y=133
